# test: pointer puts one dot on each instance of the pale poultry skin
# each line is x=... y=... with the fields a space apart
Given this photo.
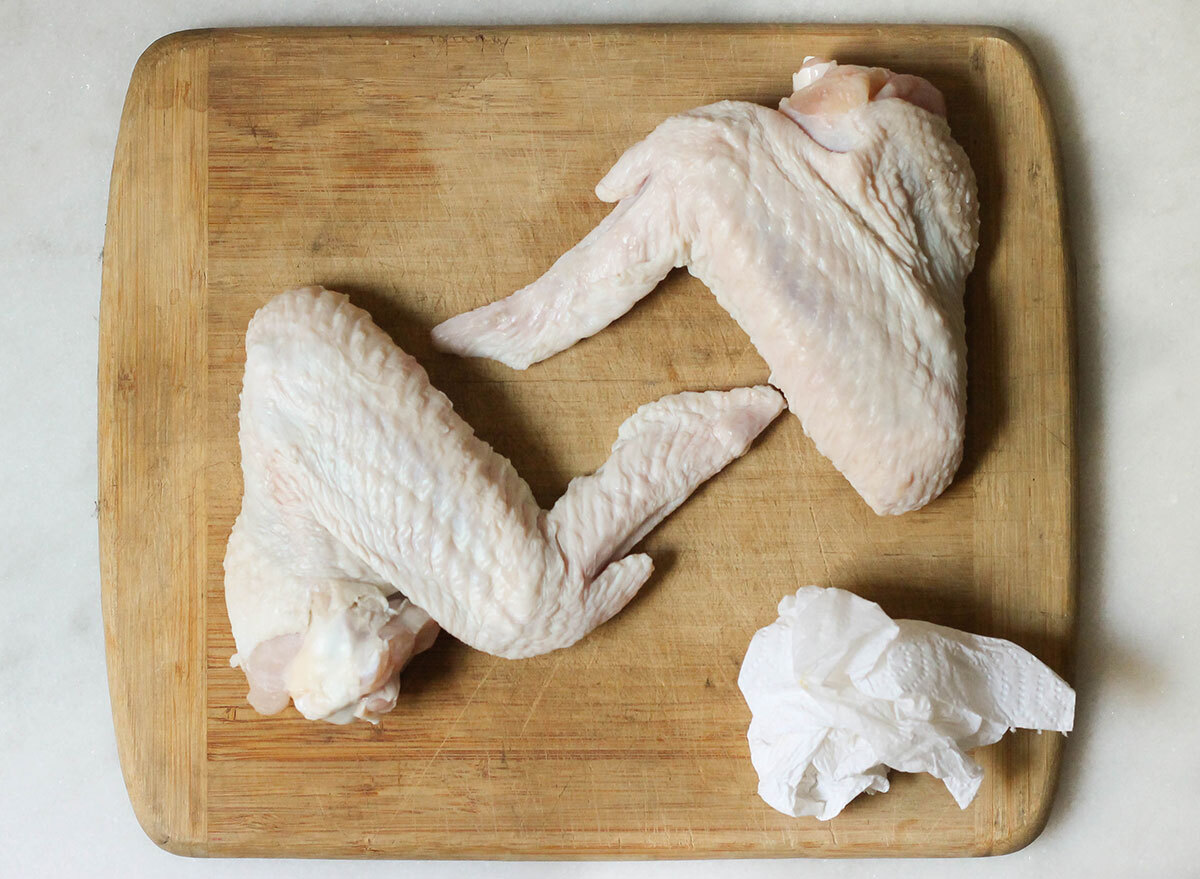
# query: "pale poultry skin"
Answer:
x=838 y=232
x=372 y=514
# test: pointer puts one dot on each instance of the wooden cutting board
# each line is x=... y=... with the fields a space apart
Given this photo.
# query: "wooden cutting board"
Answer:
x=424 y=172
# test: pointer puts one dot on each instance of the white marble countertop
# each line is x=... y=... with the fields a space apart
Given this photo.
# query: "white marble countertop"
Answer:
x=1128 y=116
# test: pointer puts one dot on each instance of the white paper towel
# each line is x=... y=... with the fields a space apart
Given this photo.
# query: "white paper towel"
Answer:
x=839 y=692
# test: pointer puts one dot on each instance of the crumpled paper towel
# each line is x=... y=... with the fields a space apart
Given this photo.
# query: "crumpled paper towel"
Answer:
x=839 y=692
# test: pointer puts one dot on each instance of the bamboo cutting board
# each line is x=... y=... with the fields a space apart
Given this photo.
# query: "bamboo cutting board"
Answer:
x=424 y=172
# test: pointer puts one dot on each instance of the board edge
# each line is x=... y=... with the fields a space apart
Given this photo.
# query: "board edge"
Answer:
x=1023 y=833
x=142 y=764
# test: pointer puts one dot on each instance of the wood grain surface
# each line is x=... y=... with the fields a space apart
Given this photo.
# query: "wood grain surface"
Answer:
x=424 y=172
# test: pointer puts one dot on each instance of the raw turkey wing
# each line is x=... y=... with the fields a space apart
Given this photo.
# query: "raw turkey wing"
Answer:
x=838 y=231
x=371 y=510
